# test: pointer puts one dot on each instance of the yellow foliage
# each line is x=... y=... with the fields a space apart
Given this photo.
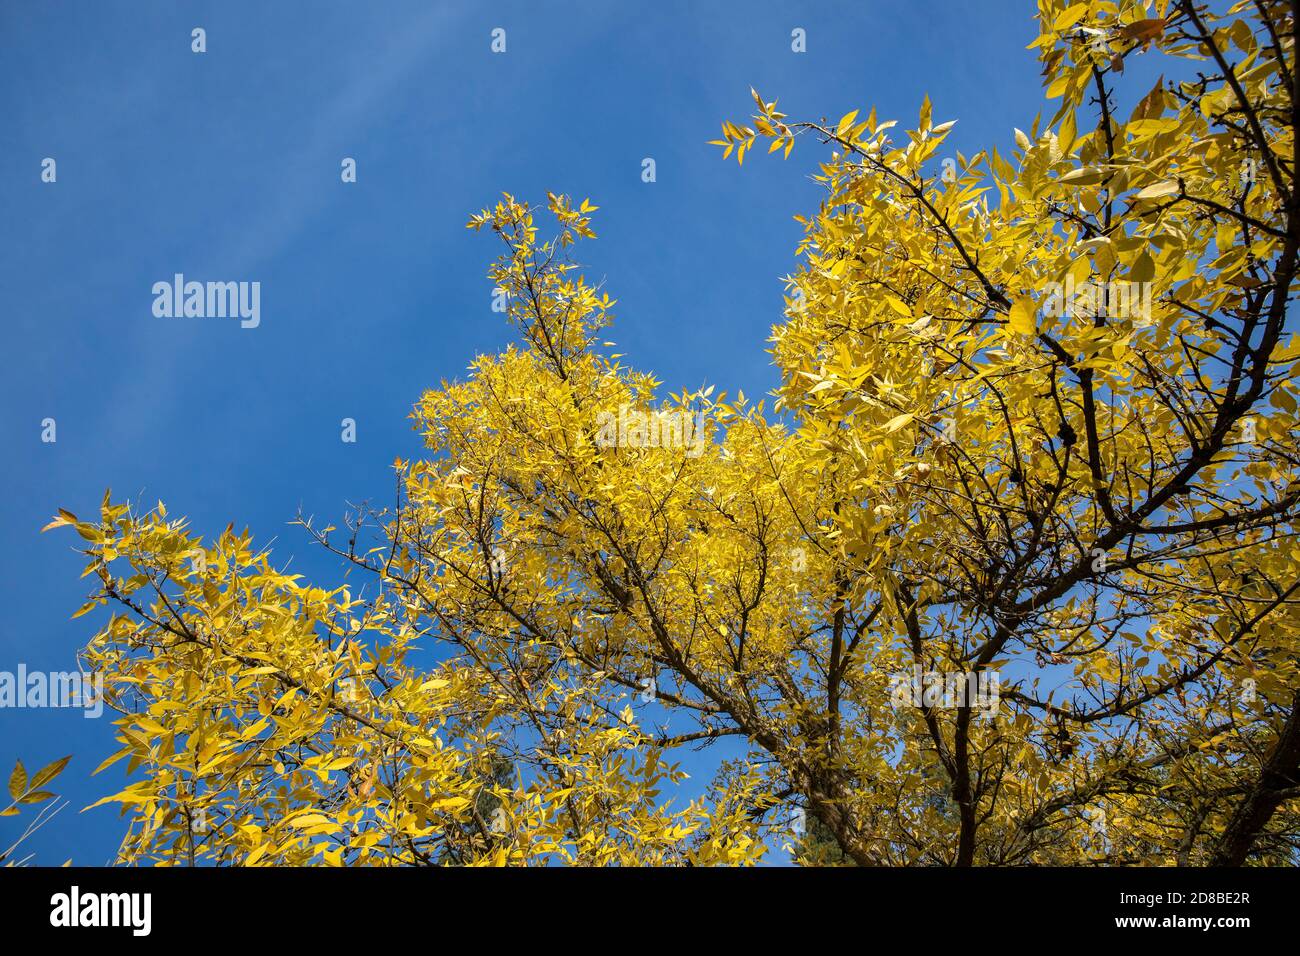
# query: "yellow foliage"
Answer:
x=1036 y=421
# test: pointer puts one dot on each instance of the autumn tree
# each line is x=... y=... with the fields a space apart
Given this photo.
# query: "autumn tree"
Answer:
x=1035 y=422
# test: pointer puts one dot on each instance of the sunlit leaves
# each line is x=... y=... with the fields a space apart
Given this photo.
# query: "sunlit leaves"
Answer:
x=1035 y=417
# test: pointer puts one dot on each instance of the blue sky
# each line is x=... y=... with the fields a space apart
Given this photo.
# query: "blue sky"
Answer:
x=225 y=166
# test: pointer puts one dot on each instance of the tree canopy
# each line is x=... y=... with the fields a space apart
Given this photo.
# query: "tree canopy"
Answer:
x=1035 y=429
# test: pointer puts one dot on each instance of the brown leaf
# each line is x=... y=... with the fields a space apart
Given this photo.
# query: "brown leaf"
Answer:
x=1144 y=31
x=1153 y=104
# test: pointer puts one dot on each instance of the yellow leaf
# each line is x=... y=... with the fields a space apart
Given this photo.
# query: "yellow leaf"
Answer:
x=1156 y=190
x=18 y=781
x=897 y=422
x=309 y=820
x=1144 y=268
x=897 y=305
x=1083 y=176
x=1021 y=319
x=58 y=522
